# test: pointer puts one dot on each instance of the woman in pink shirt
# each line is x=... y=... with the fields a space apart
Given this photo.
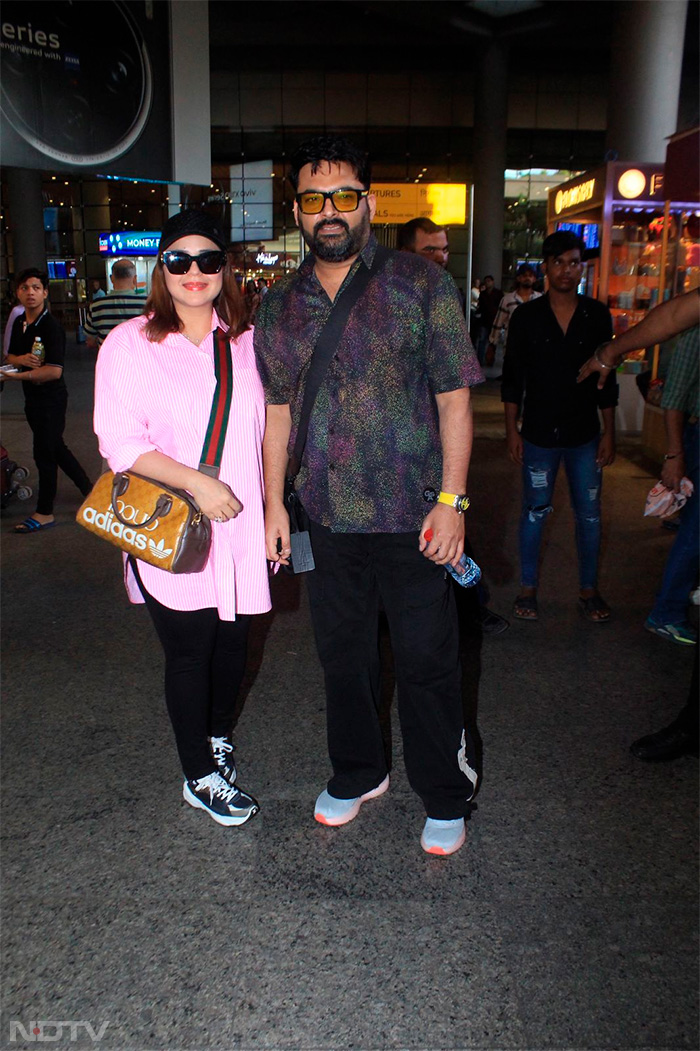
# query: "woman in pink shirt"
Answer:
x=155 y=384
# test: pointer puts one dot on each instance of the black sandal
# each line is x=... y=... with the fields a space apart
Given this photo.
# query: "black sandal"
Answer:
x=525 y=607
x=594 y=604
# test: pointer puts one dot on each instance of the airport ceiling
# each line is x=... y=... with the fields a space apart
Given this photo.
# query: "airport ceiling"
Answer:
x=389 y=35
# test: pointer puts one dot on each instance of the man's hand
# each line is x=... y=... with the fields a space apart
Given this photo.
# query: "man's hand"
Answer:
x=606 y=450
x=602 y=355
x=446 y=528
x=30 y=361
x=672 y=472
x=277 y=529
x=515 y=447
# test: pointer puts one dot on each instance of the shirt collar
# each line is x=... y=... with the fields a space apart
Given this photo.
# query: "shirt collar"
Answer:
x=42 y=315
x=366 y=256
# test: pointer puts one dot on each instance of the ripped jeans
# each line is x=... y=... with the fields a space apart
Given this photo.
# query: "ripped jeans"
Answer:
x=540 y=467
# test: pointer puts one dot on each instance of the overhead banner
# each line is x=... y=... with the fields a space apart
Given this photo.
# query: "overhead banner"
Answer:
x=87 y=87
x=443 y=202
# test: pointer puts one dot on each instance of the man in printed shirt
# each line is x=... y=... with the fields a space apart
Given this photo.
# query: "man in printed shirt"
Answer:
x=391 y=420
x=524 y=291
x=426 y=238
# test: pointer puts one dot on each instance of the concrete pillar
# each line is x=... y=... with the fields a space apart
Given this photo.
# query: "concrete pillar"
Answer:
x=645 y=77
x=26 y=218
x=490 y=128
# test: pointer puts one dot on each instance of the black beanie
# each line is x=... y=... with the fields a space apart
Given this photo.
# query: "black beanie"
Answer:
x=193 y=221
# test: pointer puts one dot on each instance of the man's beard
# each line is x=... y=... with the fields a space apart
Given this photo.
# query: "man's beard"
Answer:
x=340 y=247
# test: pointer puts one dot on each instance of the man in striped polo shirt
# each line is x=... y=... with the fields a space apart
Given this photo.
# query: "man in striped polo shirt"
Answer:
x=123 y=303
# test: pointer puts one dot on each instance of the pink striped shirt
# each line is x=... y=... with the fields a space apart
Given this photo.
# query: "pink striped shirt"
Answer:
x=157 y=397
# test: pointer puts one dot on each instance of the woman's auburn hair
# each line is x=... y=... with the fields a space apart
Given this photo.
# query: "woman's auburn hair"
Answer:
x=230 y=305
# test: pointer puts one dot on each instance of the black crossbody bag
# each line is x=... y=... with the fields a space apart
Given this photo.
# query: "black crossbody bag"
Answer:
x=302 y=559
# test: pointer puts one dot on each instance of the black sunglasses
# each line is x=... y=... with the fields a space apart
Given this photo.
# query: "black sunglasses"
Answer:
x=314 y=201
x=180 y=262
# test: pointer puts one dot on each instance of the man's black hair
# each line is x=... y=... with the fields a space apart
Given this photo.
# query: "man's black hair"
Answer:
x=560 y=242
x=406 y=239
x=525 y=268
x=32 y=271
x=336 y=150
x=489 y=277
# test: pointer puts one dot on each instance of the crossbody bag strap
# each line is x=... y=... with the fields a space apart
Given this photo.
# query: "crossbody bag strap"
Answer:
x=213 y=449
x=326 y=344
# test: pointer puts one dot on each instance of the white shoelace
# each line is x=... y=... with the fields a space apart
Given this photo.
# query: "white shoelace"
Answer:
x=220 y=746
x=217 y=787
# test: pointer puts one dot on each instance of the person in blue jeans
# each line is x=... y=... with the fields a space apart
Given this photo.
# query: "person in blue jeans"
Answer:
x=549 y=340
x=681 y=405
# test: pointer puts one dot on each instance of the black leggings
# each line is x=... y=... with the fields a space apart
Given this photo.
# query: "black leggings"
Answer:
x=205 y=660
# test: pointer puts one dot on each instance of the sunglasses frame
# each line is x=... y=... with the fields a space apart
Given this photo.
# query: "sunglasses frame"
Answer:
x=193 y=259
x=328 y=196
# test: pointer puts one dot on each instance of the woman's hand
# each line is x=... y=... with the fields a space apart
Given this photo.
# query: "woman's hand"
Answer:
x=214 y=498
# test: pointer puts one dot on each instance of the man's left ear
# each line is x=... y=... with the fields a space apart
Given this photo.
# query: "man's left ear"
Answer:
x=372 y=205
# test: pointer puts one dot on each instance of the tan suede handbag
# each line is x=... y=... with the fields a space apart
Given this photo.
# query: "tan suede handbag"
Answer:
x=152 y=521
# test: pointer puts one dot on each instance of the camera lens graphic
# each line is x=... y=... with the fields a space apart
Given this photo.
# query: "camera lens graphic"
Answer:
x=77 y=82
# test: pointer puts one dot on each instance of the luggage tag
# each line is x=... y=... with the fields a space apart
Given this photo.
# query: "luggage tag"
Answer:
x=301 y=558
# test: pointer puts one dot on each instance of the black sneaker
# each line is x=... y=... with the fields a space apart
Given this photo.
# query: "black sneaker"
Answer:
x=223 y=802
x=222 y=749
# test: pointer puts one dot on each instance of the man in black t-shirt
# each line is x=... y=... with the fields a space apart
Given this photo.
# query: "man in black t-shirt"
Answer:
x=45 y=395
x=549 y=339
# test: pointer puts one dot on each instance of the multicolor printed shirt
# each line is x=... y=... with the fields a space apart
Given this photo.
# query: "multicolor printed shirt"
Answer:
x=681 y=386
x=373 y=444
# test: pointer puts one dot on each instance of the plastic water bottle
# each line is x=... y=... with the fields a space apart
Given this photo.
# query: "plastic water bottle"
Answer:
x=38 y=349
x=468 y=575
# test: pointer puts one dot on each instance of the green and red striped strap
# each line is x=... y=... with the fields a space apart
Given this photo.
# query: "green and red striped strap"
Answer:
x=210 y=460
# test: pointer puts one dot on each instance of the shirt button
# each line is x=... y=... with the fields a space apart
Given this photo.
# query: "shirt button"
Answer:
x=331 y=430
x=331 y=467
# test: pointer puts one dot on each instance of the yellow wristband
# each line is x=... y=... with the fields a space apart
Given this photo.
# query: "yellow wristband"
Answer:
x=460 y=502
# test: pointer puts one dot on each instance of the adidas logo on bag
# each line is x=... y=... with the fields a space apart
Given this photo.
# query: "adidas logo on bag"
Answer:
x=159 y=549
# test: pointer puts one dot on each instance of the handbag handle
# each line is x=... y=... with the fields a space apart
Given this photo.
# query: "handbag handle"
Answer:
x=120 y=485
